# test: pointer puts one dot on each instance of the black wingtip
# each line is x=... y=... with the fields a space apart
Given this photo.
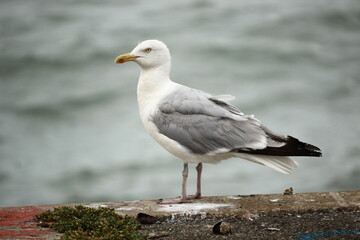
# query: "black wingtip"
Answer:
x=314 y=153
x=292 y=147
x=303 y=149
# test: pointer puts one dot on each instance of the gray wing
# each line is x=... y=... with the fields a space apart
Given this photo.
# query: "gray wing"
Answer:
x=204 y=123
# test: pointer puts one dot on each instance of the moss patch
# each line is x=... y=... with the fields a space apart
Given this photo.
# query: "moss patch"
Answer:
x=89 y=223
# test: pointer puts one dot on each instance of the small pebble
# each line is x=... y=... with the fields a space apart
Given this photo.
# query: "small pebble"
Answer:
x=288 y=191
x=144 y=218
x=273 y=229
x=222 y=228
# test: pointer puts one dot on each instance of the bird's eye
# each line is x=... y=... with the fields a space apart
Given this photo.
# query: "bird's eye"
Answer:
x=148 y=50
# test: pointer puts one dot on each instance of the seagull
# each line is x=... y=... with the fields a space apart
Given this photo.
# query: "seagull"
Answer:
x=199 y=127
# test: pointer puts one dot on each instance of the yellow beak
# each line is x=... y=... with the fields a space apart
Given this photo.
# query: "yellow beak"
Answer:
x=125 y=58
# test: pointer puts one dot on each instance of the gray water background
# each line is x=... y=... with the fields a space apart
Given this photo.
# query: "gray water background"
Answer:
x=69 y=124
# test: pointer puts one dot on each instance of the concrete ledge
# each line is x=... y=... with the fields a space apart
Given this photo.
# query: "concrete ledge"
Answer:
x=18 y=222
x=240 y=205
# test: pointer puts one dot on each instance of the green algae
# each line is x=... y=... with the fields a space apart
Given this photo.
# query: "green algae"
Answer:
x=89 y=223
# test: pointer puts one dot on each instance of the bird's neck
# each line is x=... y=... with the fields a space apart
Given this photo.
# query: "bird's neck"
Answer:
x=153 y=79
x=154 y=83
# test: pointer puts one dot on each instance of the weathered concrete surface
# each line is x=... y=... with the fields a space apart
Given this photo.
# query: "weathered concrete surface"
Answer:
x=273 y=216
x=238 y=205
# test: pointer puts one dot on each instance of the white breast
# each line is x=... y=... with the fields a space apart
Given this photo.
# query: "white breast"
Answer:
x=149 y=96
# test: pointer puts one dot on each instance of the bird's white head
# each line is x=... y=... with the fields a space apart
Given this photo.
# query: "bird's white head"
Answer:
x=148 y=54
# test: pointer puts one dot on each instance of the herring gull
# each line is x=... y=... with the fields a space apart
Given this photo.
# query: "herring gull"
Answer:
x=198 y=127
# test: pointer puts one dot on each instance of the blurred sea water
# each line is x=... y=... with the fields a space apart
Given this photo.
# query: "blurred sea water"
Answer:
x=69 y=124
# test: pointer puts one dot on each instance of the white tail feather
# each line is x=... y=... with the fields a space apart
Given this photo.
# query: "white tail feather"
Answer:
x=281 y=164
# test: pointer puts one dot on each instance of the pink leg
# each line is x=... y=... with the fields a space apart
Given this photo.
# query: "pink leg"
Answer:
x=198 y=183
x=184 y=198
